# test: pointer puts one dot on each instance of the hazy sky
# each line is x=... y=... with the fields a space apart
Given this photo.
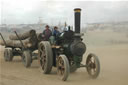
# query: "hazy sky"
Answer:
x=53 y=12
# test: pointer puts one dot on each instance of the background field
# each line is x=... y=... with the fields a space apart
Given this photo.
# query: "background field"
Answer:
x=111 y=47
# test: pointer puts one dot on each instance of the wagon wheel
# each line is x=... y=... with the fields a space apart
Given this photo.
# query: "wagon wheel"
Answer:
x=45 y=57
x=63 y=68
x=93 y=65
x=8 y=55
x=27 y=58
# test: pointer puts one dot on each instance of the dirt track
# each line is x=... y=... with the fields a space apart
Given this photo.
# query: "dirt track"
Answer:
x=113 y=61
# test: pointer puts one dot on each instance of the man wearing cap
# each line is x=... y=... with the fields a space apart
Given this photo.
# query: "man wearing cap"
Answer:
x=46 y=33
x=56 y=31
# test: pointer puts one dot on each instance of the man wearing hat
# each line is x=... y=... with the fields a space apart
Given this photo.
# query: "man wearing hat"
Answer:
x=46 y=33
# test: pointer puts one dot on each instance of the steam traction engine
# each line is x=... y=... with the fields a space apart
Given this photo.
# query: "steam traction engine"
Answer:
x=65 y=52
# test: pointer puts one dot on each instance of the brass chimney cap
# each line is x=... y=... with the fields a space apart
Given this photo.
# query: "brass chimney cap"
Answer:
x=77 y=9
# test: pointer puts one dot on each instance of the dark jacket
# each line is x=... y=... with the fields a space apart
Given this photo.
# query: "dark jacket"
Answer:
x=56 y=33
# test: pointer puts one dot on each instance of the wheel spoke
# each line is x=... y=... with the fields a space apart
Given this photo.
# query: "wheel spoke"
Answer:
x=93 y=66
x=59 y=71
x=92 y=71
x=43 y=61
x=43 y=53
x=60 y=66
x=92 y=59
x=63 y=70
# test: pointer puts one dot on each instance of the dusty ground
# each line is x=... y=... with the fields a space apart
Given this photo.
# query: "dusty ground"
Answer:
x=113 y=60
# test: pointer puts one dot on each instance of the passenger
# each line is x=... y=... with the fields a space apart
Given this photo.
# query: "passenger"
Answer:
x=46 y=33
x=56 y=31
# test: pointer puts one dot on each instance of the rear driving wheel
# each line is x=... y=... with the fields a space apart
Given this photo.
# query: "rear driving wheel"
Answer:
x=8 y=54
x=63 y=68
x=93 y=65
x=45 y=57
